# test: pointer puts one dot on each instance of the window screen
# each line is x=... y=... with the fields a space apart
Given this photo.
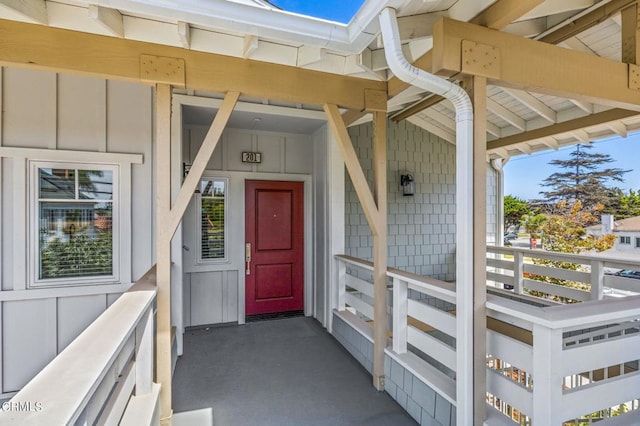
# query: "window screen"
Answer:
x=75 y=222
x=213 y=215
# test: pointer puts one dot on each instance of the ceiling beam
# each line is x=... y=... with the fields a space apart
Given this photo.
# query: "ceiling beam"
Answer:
x=184 y=34
x=618 y=127
x=432 y=128
x=417 y=107
x=571 y=27
x=551 y=142
x=34 y=10
x=560 y=128
x=37 y=46
x=536 y=66
x=503 y=12
x=508 y=116
x=585 y=106
x=109 y=19
x=533 y=103
x=250 y=44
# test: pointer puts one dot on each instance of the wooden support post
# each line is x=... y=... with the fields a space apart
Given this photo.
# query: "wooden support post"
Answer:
x=375 y=210
x=380 y=247
x=163 y=249
x=478 y=89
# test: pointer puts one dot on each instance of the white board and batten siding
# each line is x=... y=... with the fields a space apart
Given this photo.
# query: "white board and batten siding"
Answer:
x=214 y=292
x=49 y=111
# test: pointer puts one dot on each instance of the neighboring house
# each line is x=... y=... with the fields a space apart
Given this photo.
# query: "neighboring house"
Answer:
x=241 y=149
x=627 y=232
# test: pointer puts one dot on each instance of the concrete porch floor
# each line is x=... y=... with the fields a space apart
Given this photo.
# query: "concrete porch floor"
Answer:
x=277 y=372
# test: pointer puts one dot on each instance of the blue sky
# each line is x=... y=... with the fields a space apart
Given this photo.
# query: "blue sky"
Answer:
x=332 y=10
x=523 y=174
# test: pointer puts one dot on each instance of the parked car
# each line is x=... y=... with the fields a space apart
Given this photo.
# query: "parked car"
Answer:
x=510 y=236
x=628 y=273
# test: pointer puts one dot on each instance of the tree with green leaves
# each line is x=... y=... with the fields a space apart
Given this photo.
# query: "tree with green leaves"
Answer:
x=514 y=209
x=624 y=205
x=585 y=178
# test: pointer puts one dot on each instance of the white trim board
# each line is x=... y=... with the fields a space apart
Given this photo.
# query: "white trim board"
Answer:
x=71 y=156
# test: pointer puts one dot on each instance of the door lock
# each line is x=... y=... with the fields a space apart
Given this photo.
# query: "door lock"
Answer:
x=247 y=258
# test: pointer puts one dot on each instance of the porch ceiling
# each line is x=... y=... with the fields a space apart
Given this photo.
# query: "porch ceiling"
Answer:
x=519 y=121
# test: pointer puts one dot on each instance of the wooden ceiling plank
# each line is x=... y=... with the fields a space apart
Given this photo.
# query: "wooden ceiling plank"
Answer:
x=564 y=127
x=34 y=10
x=41 y=47
x=533 y=104
x=551 y=142
x=585 y=106
x=549 y=69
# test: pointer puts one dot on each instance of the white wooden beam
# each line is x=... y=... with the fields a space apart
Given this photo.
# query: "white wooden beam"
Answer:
x=494 y=130
x=582 y=136
x=250 y=45
x=308 y=55
x=448 y=122
x=110 y=19
x=551 y=142
x=184 y=34
x=585 y=106
x=507 y=115
x=34 y=10
x=533 y=103
x=432 y=128
x=523 y=147
x=618 y=127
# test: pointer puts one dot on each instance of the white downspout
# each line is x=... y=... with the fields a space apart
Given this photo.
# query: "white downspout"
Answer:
x=464 y=204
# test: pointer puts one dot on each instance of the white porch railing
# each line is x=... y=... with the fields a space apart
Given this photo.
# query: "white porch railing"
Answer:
x=515 y=268
x=422 y=319
x=548 y=364
x=560 y=364
x=105 y=376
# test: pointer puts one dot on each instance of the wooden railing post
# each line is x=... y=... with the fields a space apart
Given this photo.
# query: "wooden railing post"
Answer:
x=400 y=308
x=144 y=354
x=547 y=383
x=597 y=279
x=342 y=285
x=518 y=272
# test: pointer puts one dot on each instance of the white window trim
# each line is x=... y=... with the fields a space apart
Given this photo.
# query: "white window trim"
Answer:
x=637 y=242
x=625 y=239
x=198 y=222
x=34 y=247
x=20 y=158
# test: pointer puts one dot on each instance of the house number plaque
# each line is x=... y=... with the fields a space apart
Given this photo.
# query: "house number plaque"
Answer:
x=251 y=157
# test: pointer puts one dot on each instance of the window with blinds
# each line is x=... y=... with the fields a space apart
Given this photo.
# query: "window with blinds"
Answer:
x=75 y=219
x=213 y=193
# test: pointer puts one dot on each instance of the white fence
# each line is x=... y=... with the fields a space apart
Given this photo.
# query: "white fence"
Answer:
x=104 y=377
x=522 y=270
x=561 y=364
x=547 y=365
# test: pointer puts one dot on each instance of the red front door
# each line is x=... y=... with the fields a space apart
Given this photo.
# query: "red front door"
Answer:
x=274 y=230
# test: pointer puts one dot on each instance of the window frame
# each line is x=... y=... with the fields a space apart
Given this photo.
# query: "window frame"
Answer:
x=34 y=280
x=625 y=239
x=637 y=242
x=198 y=223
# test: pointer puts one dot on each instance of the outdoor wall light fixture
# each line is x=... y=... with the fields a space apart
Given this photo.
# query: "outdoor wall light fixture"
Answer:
x=407 y=184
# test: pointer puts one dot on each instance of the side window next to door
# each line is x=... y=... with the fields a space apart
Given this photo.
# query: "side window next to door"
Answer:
x=212 y=225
